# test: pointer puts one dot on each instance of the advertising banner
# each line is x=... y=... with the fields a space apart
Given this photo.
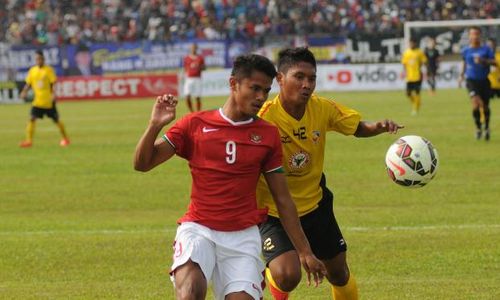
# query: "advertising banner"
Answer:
x=368 y=77
x=115 y=87
x=344 y=77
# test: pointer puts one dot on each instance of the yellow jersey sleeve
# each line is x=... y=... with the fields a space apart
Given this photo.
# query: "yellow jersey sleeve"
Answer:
x=303 y=142
x=494 y=75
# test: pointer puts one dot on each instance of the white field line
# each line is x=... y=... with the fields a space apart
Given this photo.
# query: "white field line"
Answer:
x=173 y=229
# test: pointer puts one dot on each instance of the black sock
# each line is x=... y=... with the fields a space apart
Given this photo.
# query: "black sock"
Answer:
x=477 y=118
x=487 y=114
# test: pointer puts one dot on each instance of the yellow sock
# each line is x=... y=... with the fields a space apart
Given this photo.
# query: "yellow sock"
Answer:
x=417 y=101
x=30 y=129
x=346 y=292
x=275 y=291
x=62 y=129
x=481 y=118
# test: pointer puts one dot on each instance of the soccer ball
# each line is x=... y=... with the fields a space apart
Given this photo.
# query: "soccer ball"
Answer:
x=412 y=161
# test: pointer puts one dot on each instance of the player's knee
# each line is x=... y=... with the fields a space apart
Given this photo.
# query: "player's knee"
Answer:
x=287 y=279
x=189 y=291
x=338 y=275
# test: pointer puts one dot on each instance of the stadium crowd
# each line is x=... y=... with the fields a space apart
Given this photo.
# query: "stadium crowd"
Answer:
x=54 y=22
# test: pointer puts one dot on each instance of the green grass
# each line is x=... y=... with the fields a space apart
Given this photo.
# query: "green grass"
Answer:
x=80 y=223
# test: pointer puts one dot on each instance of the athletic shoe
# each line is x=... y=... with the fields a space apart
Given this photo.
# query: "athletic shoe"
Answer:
x=26 y=144
x=479 y=134
x=487 y=134
x=64 y=142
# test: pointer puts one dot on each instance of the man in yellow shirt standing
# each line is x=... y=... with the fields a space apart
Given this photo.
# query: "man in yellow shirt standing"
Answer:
x=42 y=78
x=413 y=59
x=494 y=75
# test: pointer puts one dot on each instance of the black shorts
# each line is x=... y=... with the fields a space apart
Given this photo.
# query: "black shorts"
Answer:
x=39 y=113
x=413 y=86
x=495 y=93
x=320 y=228
x=481 y=88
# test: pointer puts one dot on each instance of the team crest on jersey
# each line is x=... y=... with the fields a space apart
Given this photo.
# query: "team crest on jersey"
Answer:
x=298 y=160
x=315 y=136
x=255 y=138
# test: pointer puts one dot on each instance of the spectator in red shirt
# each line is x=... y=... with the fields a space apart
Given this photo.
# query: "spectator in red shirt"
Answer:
x=194 y=64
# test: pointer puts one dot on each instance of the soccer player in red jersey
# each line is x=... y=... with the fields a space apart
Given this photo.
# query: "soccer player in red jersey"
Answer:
x=194 y=64
x=218 y=237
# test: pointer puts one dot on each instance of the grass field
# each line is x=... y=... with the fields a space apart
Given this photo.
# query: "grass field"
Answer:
x=80 y=223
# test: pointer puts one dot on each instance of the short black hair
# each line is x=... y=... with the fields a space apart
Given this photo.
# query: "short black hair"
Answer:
x=292 y=56
x=244 y=65
x=39 y=52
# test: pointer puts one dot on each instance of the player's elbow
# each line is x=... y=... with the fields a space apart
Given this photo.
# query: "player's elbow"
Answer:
x=141 y=167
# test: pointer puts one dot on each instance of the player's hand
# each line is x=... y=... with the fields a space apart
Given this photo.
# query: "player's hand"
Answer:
x=23 y=95
x=314 y=267
x=389 y=126
x=164 y=110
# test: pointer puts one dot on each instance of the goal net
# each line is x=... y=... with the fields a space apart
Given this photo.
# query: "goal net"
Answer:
x=450 y=36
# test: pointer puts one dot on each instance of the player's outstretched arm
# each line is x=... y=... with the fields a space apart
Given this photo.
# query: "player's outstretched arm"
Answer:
x=290 y=221
x=151 y=151
x=368 y=129
x=24 y=91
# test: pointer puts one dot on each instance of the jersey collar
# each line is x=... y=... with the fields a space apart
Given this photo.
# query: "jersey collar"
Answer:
x=233 y=122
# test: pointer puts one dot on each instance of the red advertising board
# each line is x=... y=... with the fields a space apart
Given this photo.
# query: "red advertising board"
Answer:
x=115 y=87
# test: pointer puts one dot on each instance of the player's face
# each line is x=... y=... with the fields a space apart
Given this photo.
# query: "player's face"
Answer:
x=39 y=60
x=250 y=93
x=298 y=83
x=474 y=37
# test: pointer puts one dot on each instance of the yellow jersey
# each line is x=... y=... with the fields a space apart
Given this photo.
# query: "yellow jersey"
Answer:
x=494 y=75
x=413 y=59
x=303 y=143
x=41 y=80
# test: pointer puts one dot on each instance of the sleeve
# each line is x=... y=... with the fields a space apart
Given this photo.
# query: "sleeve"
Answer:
x=274 y=160
x=52 y=76
x=178 y=136
x=29 y=77
x=403 y=58
x=464 y=53
x=342 y=119
x=424 y=57
x=491 y=54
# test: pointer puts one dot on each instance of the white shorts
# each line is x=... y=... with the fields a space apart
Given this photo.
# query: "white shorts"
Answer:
x=230 y=260
x=192 y=86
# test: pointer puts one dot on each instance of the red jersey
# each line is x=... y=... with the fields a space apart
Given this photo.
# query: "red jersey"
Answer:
x=193 y=65
x=226 y=159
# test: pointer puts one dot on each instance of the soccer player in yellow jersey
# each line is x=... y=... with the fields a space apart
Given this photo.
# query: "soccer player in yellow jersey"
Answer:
x=41 y=78
x=413 y=59
x=303 y=119
x=494 y=75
